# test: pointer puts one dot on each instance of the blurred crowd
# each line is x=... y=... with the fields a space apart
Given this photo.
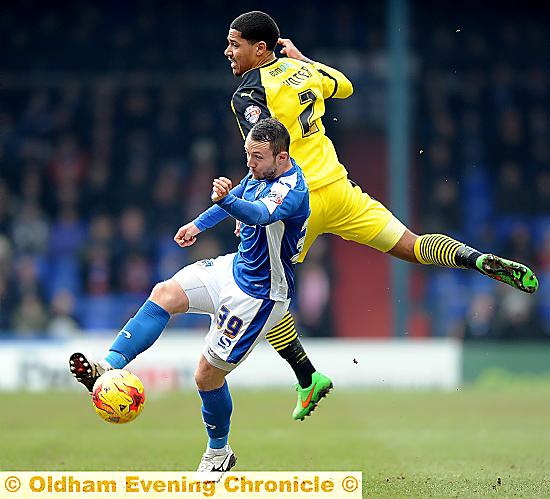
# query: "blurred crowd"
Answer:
x=483 y=125
x=115 y=117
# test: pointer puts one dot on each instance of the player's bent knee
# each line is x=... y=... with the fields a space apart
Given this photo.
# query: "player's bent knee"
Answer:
x=169 y=295
x=208 y=377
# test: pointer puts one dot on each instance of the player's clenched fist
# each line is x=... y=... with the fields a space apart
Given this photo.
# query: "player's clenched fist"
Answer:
x=186 y=235
x=220 y=188
x=289 y=49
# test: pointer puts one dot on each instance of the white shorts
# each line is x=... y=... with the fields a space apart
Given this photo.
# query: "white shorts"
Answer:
x=238 y=321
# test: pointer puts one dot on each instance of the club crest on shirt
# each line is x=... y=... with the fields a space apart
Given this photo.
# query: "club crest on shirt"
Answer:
x=259 y=189
x=252 y=114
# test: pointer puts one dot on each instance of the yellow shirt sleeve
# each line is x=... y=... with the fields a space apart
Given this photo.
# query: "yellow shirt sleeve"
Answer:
x=335 y=84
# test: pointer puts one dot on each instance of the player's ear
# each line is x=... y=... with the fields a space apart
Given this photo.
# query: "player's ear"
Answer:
x=261 y=48
x=282 y=157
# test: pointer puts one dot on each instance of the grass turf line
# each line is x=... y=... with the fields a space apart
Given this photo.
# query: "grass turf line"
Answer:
x=414 y=443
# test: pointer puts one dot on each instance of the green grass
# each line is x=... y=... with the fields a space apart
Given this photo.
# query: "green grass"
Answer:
x=405 y=443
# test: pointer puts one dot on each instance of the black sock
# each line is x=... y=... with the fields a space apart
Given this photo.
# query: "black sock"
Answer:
x=466 y=257
x=295 y=355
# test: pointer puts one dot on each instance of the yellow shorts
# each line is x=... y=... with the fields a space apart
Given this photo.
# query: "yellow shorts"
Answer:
x=345 y=210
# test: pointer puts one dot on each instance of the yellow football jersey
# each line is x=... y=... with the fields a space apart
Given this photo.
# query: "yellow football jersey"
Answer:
x=294 y=92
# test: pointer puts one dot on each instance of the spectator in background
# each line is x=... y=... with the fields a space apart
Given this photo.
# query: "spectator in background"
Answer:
x=8 y=294
x=511 y=190
x=27 y=278
x=97 y=256
x=30 y=230
x=132 y=236
x=69 y=165
x=480 y=321
x=136 y=187
x=5 y=207
x=133 y=255
x=445 y=210
x=97 y=270
x=97 y=192
x=62 y=323
x=7 y=303
x=542 y=191
x=167 y=209
x=314 y=314
x=516 y=320
x=519 y=243
x=30 y=317
x=544 y=252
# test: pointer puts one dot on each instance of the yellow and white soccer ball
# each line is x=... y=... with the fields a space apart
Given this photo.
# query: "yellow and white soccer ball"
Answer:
x=118 y=396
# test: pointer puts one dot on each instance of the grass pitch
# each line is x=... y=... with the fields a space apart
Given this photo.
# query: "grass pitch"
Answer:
x=474 y=441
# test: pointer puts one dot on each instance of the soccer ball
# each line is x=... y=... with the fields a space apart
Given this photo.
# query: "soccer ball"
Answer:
x=118 y=396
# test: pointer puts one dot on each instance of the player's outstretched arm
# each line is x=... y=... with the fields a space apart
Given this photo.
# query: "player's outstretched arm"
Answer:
x=186 y=235
x=335 y=83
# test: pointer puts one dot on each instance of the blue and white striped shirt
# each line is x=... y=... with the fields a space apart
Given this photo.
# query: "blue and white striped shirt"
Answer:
x=274 y=215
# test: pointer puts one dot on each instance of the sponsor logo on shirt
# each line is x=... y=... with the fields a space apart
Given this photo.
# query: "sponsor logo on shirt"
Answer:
x=280 y=69
x=276 y=197
x=206 y=263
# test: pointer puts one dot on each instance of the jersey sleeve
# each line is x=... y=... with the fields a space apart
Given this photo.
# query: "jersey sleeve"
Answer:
x=215 y=214
x=335 y=84
x=281 y=203
x=249 y=103
x=248 y=212
x=284 y=202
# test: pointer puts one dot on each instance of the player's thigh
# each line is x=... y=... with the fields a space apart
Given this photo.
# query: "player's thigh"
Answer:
x=202 y=282
x=315 y=222
x=358 y=217
x=239 y=323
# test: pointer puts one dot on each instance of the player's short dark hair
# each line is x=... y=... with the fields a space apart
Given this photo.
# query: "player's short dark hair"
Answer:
x=274 y=132
x=257 y=26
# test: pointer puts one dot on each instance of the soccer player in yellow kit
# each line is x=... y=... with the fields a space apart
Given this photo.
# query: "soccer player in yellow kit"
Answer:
x=293 y=89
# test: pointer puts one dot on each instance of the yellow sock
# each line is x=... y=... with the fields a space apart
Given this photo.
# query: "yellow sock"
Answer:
x=437 y=249
x=283 y=333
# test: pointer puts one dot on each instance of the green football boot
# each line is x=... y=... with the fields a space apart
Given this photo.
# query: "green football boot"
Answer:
x=309 y=397
x=515 y=274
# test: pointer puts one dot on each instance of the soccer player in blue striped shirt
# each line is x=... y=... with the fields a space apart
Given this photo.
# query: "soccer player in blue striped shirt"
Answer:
x=246 y=293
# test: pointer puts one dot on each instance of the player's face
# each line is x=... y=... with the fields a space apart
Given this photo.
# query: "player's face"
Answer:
x=240 y=52
x=260 y=159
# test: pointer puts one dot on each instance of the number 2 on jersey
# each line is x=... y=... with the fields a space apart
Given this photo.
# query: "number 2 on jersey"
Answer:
x=309 y=125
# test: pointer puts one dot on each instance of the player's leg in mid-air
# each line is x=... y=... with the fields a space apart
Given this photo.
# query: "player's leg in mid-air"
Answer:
x=312 y=385
x=185 y=292
x=357 y=217
x=442 y=250
x=341 y=208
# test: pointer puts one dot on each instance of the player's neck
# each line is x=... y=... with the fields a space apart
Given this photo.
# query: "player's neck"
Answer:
x=265 y=59
x=283 y=169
